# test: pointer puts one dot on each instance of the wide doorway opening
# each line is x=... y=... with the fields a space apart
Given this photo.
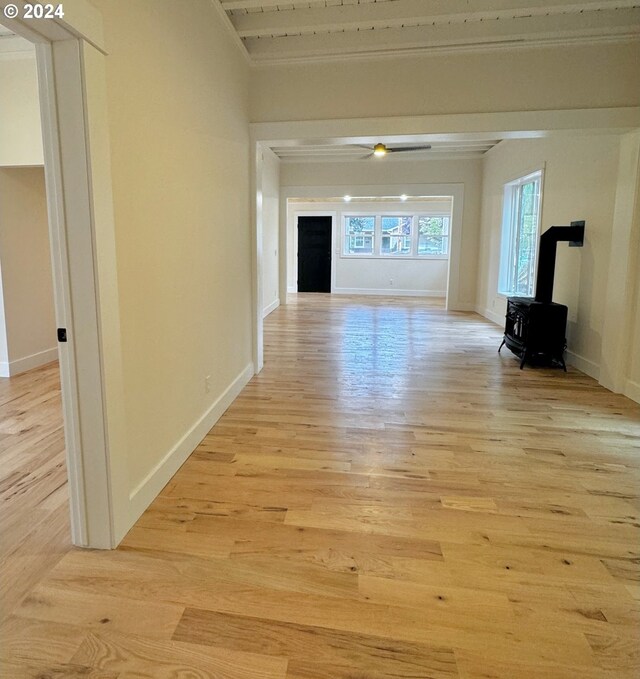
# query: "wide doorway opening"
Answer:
x=34 y=488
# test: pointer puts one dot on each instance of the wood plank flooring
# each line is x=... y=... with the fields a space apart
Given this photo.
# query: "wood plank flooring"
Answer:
x=389 y=498
x=34 y=504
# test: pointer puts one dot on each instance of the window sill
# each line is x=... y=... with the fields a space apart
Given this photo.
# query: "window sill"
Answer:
x=397 y=257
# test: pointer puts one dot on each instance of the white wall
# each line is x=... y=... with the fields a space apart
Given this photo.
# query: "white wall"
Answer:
x=20 y=131
x=178 y=124
x=353 y=177
x=580 y=180
x=538 y=78
x=4 y=349
x=270 y=231
x=372 y=275
x=628 y=220
x=633 y=380
x=25 y=263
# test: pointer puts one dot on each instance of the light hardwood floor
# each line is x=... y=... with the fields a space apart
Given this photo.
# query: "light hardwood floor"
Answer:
x=34 y=505
x=388 y=498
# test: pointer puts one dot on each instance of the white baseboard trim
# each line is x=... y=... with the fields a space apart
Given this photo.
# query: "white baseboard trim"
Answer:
x=146 y=491
x=271 y=307
x=20 y=365
x=583 y=364
x=632 y=390
x=491 y=316
x=392 y=292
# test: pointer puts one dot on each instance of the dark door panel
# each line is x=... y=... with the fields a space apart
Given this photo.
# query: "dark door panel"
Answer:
x=314 y=254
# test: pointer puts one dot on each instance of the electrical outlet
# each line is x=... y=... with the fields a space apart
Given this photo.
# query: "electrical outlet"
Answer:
x=207 y=384
x=391 y=281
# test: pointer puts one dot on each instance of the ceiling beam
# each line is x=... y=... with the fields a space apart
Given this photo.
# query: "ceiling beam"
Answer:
x=404 y=13
x=620 y=23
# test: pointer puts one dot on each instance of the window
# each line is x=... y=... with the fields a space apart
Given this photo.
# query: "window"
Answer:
x=359 y=235
x=520 y=227
x=396 y=235
x=433 y=235
x=403 y=235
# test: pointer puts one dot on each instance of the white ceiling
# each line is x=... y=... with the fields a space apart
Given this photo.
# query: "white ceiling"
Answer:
x=277 y=31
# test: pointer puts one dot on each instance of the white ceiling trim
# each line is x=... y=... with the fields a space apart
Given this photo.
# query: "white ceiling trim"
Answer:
x=620 y=24
x=405 y=13
x=276 y=32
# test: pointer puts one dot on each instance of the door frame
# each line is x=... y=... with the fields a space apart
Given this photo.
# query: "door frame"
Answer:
x=71 y=66
x=314 y=213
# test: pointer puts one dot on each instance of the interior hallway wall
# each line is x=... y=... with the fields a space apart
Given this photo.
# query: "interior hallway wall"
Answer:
x=25 y=266
x=270 y=231
x=178 y=124
x=20 y=131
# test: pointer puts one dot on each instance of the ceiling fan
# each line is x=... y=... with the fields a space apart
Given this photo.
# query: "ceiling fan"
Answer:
x=381 y=150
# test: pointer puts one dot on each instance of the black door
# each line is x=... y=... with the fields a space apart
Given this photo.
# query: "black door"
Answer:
x=314 y=254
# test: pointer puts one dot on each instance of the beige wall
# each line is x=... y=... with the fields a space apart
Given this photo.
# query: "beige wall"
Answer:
x=270 y=230
x=20 y=131
x=585 y=76
x=634 y=368
x=351 y=177
x=580 y=179
x=178 y=114
x=4 y=349
x=25 y=264
x=633 y=375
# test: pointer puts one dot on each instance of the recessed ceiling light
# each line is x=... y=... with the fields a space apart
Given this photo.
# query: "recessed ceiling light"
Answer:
x=404 y=196
x=347 y=199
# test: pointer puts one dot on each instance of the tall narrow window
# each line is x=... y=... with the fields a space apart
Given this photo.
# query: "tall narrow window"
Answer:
x=520 y=231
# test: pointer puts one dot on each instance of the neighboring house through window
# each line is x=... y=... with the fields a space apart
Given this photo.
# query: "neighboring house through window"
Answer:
x=388 y=235
x=520 y=235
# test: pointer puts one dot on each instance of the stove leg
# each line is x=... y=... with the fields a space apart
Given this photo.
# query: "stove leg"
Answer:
x=503 y=343
x=524 y=358
x=564 y=365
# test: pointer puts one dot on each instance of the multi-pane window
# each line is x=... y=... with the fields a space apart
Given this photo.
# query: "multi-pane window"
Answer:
x=396 y=235
x=407 y=235
x=520 y=230
x=359 y=235
x=433 y=235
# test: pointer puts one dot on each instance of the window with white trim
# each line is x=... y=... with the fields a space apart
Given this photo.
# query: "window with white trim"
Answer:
x=433 y=234
x=520 y=235
x=359 y=235
x=396 y=235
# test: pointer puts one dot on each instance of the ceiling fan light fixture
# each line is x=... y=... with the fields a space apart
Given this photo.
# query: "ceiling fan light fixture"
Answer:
x=380 y=151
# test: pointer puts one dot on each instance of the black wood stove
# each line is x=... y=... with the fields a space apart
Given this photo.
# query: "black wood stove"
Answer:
x=535 y=328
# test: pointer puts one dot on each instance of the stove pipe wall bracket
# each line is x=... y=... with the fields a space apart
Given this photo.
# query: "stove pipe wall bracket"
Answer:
x=574 y=234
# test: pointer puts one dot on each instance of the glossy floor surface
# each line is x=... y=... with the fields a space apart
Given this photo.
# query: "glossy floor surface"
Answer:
x=388 y=498
x=34 y=505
